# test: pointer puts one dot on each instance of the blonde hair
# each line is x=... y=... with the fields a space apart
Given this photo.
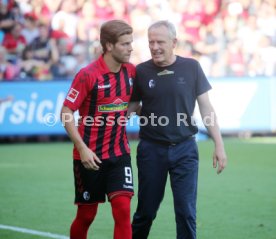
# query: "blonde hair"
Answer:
x=112 y=30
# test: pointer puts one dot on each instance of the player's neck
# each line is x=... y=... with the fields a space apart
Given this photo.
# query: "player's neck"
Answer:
x=112 y=65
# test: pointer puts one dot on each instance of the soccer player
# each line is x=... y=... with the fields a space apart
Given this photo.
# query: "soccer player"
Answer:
x=102 y=165
x=168 y=87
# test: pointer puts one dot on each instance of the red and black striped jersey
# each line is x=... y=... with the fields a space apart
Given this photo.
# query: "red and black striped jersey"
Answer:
x=102 y=97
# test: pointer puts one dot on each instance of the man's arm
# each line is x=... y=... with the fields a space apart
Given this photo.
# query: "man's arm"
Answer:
x=206 y=110
x=88 y=158
x=134 y=107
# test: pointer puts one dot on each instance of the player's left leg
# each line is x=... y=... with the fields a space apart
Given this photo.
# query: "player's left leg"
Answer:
x=120 y=191
x=121 y=213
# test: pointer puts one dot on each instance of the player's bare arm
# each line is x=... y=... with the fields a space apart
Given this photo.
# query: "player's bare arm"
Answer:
x=88 y=158
x=206 y=110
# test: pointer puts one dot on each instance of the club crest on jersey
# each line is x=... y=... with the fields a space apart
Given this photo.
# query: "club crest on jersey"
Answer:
x=72 y=95
x=152 y=83
x=117 y=105
x=165 y=72
x=130 y=80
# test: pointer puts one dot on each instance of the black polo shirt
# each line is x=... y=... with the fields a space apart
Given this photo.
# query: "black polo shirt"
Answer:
x=168 y=96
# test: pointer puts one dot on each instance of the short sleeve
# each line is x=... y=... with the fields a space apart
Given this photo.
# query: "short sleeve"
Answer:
x=132 y=70
x=202 y=84
x=78 y=91
x=136 y=94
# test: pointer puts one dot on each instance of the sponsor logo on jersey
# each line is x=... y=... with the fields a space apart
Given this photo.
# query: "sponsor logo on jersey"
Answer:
x=72 y=95
x=117 y=105
x=165 y=72
x=104 y=86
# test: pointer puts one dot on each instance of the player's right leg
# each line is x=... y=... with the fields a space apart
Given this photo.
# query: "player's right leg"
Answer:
x=85 y=216
x=89 y=191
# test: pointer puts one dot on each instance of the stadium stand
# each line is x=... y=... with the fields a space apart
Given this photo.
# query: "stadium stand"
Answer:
x=48 y=40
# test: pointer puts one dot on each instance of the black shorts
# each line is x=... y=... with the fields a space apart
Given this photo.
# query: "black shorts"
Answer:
x=114 y=177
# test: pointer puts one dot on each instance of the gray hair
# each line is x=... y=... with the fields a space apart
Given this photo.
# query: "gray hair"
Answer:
x=167 y=24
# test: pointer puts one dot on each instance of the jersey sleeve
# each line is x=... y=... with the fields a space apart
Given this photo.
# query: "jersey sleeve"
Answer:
x=132 y=70
x=202 y=84
x=136 y=94
x=78 y=91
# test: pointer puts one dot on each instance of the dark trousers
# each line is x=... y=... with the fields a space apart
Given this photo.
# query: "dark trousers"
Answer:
x=154 y=162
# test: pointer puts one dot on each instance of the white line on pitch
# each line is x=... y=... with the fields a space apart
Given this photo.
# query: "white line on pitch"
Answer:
x=33 y=232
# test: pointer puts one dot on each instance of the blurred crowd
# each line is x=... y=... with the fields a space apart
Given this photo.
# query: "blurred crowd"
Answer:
x=53 y=39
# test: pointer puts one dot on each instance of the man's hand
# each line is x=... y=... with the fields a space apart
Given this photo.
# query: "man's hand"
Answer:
x=89 y=159
x=220 y=159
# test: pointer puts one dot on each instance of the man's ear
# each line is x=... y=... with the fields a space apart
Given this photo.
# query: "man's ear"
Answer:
x=109 y=46
x=174 y=42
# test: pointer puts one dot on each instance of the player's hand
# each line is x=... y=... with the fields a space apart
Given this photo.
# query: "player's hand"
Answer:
x=219 y=159
x=89 y=159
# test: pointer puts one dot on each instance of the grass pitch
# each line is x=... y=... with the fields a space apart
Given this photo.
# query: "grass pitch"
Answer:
x=36 y=192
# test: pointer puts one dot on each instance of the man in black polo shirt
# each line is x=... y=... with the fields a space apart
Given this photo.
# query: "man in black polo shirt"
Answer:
x=168 y=87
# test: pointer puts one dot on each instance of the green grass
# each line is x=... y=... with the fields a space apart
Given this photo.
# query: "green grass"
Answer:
x=36 y=192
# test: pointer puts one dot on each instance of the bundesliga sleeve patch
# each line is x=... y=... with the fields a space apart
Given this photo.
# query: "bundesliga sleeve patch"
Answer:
x=72 y=95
